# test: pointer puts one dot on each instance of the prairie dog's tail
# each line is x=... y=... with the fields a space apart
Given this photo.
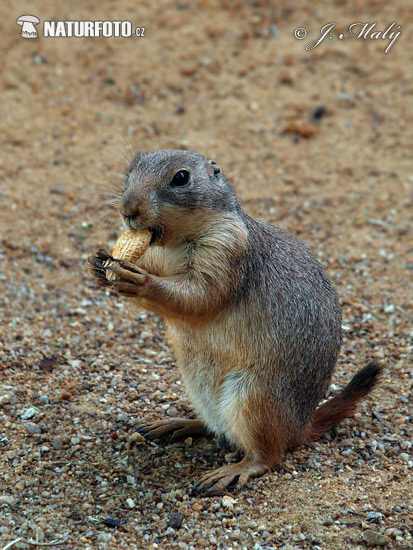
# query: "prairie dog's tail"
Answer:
x=342 y=405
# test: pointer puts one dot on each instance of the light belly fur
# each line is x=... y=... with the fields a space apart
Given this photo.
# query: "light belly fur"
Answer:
x=213 y=374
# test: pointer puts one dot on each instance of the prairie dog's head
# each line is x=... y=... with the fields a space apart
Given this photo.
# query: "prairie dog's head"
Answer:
x=174 y=193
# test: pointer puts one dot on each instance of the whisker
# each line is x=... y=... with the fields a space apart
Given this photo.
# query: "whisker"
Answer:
x=112 y=185
x=112 y=208
x=122 y=158
x=110 y=192
x=129 y=148
x=116 y=220
x=104 y=218
x=102 y=196
x=128 y=145
x=113 y=188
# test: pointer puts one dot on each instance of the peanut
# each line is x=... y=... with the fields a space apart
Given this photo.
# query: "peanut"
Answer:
x=130 y=246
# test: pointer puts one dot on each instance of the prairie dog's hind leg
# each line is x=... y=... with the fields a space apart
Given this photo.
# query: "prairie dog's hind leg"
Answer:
x=176 y=428
x=257 y=427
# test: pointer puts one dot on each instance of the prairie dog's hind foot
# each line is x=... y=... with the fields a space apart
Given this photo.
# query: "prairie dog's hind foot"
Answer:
x=233 y=476
x=177 y=429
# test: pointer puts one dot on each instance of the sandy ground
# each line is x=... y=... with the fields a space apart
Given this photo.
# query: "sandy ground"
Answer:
x=317 y=142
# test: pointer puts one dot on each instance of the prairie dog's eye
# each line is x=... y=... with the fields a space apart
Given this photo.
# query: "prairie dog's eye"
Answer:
x=180 y=179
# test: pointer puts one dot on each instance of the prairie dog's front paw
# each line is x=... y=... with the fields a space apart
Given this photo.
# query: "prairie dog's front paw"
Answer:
x=124 y=277
x=97 y=267
x=130 y=280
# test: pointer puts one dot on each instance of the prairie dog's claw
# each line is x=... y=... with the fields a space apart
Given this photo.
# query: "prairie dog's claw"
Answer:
x=96 y=262
x=103 y=255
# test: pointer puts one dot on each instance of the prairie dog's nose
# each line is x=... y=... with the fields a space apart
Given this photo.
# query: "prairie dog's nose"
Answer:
x=129 y=207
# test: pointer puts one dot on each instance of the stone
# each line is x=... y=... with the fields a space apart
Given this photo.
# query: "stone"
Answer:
x=5 y=399
x=57 y=443
x=7 y=499
x=175 y=520
x=33 y=428
x=130 y=503
x=28 y=413
x=228 y=502
x=373 y=538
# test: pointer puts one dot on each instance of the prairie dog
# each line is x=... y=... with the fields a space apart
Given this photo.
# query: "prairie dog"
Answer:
x=253 y=320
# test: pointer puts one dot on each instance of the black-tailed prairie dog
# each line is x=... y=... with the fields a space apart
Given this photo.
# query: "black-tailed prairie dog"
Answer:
x=253 y=320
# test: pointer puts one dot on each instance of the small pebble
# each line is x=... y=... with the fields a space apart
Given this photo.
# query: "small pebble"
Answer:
x=38 y=59
x=373 y=538
x=7 y=499
x=175 y=520
x=44 y=399
x=393 y=532
x=136 y=437
x=131 y=480
x=104 y=537
x=110 y=522
x=130 y=503
x=228 y=502
x=26 y=414
x=5 y=399
x=374 y=516
x=33 y=428
x=57 y=442
x=345 y=97
x=319 y=112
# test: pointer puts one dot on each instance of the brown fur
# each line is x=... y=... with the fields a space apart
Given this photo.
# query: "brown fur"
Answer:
x=193 y=272
x=342 y=406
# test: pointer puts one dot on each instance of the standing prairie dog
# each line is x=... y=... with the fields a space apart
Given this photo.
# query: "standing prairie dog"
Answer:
x=251 y=316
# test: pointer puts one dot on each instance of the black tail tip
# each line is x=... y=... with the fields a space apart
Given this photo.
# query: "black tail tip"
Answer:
x=365 y=379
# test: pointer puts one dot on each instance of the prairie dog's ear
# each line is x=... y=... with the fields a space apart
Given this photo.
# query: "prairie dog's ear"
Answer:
x=215 y=166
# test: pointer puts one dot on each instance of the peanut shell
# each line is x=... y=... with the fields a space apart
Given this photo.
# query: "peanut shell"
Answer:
x=130 y=246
